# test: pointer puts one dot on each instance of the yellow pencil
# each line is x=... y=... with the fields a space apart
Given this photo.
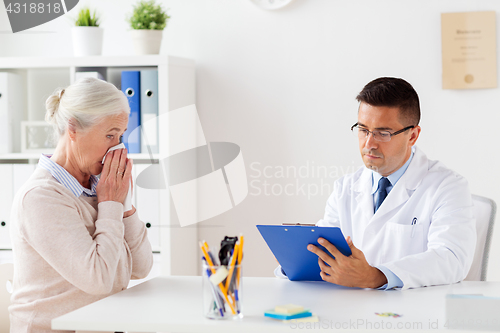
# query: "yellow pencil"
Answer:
x=240 y=258
x=206 y=246
x=242 y=240
x=236 y=252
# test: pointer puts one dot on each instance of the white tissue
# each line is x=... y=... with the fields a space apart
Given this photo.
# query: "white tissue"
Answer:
x=127 y=204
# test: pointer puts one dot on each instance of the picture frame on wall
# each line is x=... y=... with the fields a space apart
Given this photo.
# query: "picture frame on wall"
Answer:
x=469 y=50
x=36 y=137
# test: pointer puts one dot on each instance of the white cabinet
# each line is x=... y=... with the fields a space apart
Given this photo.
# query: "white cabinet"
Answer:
x=176 y=87
x=147 y=202
x=6 y=194
x=14 y=176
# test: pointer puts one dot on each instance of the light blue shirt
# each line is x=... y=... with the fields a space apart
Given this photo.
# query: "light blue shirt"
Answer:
x=393 y=178
x=66 y=179
x=393 y=281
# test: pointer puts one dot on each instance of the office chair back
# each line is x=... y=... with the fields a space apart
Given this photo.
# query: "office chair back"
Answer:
x=6 y=277
x=485 y=210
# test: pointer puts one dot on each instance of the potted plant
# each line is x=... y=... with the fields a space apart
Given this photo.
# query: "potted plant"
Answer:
x=147 y=22
x=87 y=36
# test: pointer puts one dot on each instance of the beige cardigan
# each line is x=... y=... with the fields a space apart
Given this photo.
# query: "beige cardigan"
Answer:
x=69 y=252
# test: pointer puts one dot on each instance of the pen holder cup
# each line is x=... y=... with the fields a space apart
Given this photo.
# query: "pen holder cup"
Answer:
x=222 y=290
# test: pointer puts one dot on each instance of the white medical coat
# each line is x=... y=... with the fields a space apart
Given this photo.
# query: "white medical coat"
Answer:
x=438 y=251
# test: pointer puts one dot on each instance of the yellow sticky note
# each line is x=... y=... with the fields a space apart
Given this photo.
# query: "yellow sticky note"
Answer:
x=289 y=308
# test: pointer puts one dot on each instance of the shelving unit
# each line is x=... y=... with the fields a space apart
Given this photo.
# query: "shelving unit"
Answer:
x=92 y=61
x=6 y=158
x=176 y=86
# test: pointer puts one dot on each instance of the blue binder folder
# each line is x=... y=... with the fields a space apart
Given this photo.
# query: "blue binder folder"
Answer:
x=131 y=89
x=149 y=111
x=289 y=246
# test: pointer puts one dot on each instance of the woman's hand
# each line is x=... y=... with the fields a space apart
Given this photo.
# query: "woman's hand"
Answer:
x=115 y=177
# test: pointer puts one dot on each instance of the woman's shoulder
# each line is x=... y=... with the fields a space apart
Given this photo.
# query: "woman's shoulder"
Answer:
x=39 y=198
x=42 y=184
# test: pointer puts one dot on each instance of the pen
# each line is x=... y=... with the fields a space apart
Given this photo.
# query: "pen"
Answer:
x=221 y=286
x=210 y=264
x=413 y=223
x=214 y=293
x=237 y=300
x=232 y=272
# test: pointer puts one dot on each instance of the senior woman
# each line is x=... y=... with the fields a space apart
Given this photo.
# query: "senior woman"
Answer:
x=73 y=243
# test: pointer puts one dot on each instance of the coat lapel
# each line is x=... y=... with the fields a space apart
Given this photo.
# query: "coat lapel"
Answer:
x=363 y=205
x=400 y=193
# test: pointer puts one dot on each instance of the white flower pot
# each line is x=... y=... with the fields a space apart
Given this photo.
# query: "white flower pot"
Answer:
x=146 y=41
x=87 y=41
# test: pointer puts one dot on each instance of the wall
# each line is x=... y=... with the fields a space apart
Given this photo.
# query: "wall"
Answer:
x=281 y=84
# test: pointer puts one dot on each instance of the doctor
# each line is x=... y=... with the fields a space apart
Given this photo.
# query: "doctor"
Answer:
x=408 y=219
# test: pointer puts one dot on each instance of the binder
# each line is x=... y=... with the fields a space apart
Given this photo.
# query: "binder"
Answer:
x=289 y=246
x=6 y=196
x=130 y=81
x=11 y=112
x=148 y=204
x=149 y=111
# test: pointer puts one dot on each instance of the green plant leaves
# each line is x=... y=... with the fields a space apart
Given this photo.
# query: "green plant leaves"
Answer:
x=85 y=19
x=148 y=15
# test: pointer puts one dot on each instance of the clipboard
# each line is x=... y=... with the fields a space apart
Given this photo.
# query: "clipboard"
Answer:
x=289 y=245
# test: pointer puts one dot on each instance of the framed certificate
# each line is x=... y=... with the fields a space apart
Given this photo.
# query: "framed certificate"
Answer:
x=469 y=50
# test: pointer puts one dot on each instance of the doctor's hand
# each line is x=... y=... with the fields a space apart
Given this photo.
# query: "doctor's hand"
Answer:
x=352 y=271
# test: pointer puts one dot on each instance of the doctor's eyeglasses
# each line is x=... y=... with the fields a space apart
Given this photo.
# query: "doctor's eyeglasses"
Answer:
x=381 y=136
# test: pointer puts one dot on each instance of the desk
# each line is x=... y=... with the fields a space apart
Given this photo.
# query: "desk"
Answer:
x=174 y=304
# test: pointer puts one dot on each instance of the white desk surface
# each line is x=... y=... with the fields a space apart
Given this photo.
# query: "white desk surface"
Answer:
x=174 y=304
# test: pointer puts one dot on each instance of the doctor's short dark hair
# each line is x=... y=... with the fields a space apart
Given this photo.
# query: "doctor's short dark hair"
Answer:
x=393 y=92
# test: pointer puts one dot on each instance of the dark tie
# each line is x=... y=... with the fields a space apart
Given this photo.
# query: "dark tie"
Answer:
x=383 y=183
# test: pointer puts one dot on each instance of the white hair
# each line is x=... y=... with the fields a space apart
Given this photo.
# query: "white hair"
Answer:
x=84 y=103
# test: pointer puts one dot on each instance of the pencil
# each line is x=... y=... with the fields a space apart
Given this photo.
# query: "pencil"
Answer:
x=240 y=258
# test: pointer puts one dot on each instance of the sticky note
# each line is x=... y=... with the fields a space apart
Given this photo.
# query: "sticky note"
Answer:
x=289 y=308
x=312 y=319
x=284 y=316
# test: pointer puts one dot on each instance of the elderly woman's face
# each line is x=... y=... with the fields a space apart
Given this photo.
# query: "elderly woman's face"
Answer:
x=92 y=145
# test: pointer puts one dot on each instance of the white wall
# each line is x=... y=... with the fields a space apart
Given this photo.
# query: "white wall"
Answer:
x=282 y=84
